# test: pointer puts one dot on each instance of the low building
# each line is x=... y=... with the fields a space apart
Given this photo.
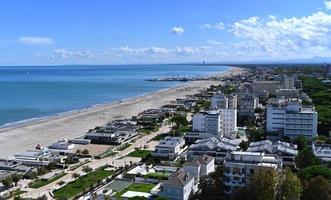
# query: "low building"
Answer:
x=169 y=148
x=36 y=158
x=284 y=150
x=270 y=86
x=288 y=93
x=62 y=145
x=241 y=166
x=214 y=147
x=179 y=186
x=199 y=167
x=322 y=151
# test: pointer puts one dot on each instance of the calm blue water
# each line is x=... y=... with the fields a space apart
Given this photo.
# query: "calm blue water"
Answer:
x=31 y=92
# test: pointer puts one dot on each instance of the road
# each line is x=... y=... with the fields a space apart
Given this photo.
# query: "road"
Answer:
x=118 y=160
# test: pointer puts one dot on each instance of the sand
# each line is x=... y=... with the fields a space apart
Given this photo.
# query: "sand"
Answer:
x=21 y=137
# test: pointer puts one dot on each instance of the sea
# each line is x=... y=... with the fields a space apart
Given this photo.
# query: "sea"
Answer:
x=32 y=92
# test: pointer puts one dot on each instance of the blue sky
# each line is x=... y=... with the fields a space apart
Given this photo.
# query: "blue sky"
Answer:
x=148 y=31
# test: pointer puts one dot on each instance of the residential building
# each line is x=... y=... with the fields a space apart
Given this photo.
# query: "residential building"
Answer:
x=207 y=121
x=292 y=120
x=322 y=151
x=222 y=101
x=228 y=122
x=179 y=186
x=214 y=147
x=285 y=151
x=241 y=166
x=261 y=86
x=289 y=82
x=288 y=93
x=199 y=167
x=169 y=148
x=247 y=102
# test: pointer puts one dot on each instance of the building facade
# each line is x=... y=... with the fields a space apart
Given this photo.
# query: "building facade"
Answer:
x=240 y=167
x=292 y=120
x=208 y=121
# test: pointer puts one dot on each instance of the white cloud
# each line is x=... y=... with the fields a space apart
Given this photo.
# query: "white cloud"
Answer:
x=327 y=4
x=65 y=53
x=177 y=30
x=36 y=40
x=214 y=42
x=287 y=35
x=219 y=26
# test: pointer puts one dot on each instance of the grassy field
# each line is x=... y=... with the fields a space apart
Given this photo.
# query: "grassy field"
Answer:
x=139 y=153
x=42 y=182
x=81 y=184
x=137 y=187
x=123 y=146
x=159 y=176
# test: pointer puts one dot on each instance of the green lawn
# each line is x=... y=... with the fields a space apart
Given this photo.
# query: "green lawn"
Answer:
x=158 y=175
x=138 y=187
x=123 y=146
x=82 y=184
x=139 y=153
x=42 y=182
x=159 y=137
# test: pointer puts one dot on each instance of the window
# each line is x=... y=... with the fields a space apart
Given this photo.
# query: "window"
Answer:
x=251 y=171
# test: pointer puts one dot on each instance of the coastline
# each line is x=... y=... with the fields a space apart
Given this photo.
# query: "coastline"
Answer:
x=27 y=134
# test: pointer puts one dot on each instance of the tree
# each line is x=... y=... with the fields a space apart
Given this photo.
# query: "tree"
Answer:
x=75 y=175
x=262 y=185
x=305 y=158
x=87 y=169
x=313 y=171
x=290 y=186
x=211 y=186
x=179 y=120
x=16 y=178
x=301 y=142
x=317 y=188
x=7 y=182
x=78 y=151
x=244 y=145
x=85 y=152
x=258 y=110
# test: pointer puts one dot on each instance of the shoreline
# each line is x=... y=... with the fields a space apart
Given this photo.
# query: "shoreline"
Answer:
x=44 y=130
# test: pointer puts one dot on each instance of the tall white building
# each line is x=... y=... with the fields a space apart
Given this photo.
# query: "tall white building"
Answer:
x=292 y=120
x=247 y=102
x=289 y=83
x=228 y=122
x=222 y=122
x=241 y=167
x=208 y=121
x=221 y=101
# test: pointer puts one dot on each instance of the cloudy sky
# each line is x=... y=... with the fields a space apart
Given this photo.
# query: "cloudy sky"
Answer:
x=173 y=31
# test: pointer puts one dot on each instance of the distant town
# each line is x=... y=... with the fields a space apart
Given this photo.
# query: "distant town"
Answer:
x=260 y=134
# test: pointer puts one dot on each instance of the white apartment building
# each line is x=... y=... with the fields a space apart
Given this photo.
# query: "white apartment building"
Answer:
x=208 y=121
x=222 y=122
x=169 y=148
x=179 y=186
x=292 y=120
x=199 y=167
x=289 y=83
x=322 y=151
x=228 y=122
x=247 y=102
x=221 y=101
x=241 y=166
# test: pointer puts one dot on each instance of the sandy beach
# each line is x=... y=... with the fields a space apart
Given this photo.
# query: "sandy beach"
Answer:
x=20 y=137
